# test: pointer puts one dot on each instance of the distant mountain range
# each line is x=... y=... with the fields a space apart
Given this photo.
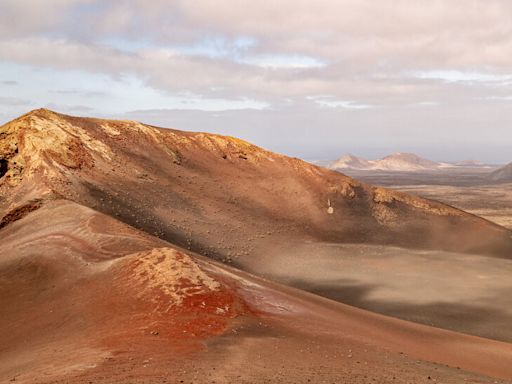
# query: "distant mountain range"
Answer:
x=404 y=162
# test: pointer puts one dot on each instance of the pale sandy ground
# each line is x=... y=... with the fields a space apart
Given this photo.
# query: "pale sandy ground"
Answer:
x=467 y=293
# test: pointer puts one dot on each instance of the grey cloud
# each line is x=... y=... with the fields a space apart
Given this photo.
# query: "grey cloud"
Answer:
x=368 y=46
x=436 y=33
x=370 y=49
x=306 y=130
x=26 y=17
x=166 y=70
x=361 y=33
x=79 y=92
x=79 y=109
x=13 y=101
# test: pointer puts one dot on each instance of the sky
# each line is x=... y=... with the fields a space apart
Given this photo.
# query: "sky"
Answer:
x=311 y=79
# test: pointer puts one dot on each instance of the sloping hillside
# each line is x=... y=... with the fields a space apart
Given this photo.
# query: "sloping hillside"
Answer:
x=104 y=229
x=216 y=195
x=501 y=175
x=85 y=298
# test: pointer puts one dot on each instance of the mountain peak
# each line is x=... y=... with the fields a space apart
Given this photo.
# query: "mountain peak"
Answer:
x=49 y=145
x=399 y=161
x=405 y=162
x=350 y=161
x=42 y=113
x=42 y=142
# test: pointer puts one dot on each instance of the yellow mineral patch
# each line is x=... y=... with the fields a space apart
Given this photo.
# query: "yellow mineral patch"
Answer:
x=384 y=215
x=230 y=145
x=147 y=130
x=172 y=273
x=42 y=141
x=345 y=189
x=110 y=129
x=382 y=195
x=56 y=132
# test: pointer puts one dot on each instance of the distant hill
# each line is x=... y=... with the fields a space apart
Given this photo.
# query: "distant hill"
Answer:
x=350 y=161
x=405 y=162
x=501 y=175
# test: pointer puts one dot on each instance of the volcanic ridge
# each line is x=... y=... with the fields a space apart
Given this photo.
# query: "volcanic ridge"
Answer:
x=130 y=253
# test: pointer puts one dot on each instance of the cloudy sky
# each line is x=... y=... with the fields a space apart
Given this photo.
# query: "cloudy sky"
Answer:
x=313 y=79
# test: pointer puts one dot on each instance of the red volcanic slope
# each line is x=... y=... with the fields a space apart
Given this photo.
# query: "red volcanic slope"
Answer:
x=87 y=298
x=88 y=294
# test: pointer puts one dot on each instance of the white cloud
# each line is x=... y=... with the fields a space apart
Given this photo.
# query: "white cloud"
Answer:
x=428 y=103
x=330 y=102
x=282 y=61
x=387 y=60
x=453 y=76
